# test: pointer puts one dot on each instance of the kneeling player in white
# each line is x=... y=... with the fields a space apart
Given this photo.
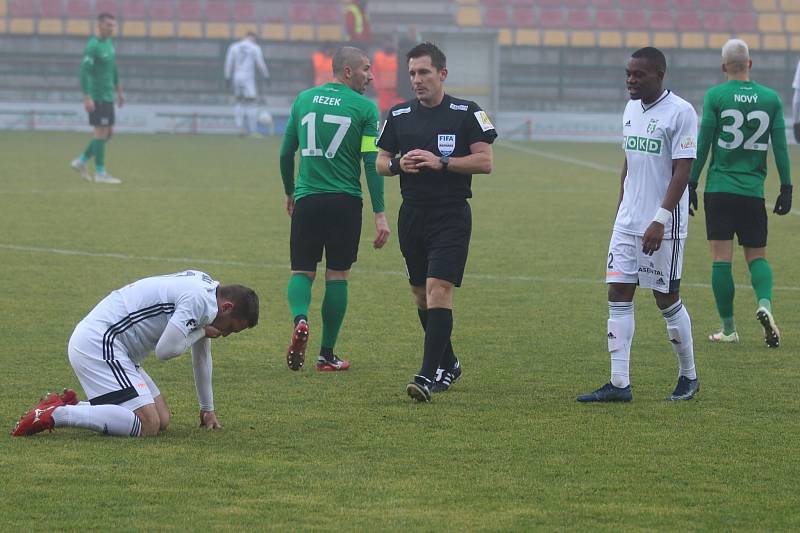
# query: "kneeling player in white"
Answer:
x=161 y=314
x=660 y=131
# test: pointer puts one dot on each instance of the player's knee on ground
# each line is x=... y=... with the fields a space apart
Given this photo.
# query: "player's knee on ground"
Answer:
x=151 y=422
x=164 y=416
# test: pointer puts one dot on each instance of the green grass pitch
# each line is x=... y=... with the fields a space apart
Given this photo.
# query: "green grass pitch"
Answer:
x=508 y=448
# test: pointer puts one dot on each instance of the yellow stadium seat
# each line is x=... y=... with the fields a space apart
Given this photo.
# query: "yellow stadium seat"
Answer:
x=665 y=39
x=716 y=40
x=794 y=42
x=474 y=2
x=23 y=26
x=637 y=39
x=218 y=30
x=764 y=5
x=582 y=39
x=790 y=5
x=79 y=27
x=3 y=9
x=610 y=39
x=329 y=32
x=190 y=29
x=693 y=40
x=273 y=32
x=162 y=29
x=468 y=16
x=555 y=38
x=242 y=28
x=134 y=28
x=528 y=38
x=793 y=23
x=3 y=26
x=51 y=26
x=753 y=40
x=301 y=32
x=775 y=41
x=770 y=23
x=504 y=37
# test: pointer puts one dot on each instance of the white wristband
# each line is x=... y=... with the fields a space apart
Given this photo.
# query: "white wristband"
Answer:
x=662 y=216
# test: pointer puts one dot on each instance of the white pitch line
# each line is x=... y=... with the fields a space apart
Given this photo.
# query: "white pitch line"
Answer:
x=272 y=266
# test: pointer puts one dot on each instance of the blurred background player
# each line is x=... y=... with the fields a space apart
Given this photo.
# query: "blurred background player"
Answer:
x=322 y=60
x=335 y=127
x=241 y=61
x=647 y=243
x=356 y=22
x=165 y=314
x=384 y=67
x=99 y=81
x=796 y=104
x=739 y=119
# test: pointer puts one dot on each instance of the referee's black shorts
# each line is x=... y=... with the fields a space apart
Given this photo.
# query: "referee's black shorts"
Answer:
x=330 y=221
x=434 y=241
x=103 y=114
x=728 y=213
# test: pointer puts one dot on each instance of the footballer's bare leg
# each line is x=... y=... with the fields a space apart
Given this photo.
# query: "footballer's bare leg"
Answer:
x=150 y=420
x=164 y=414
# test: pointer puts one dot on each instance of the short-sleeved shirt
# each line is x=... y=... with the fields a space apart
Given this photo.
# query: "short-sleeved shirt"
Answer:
x=739 y=117
x=332 y=125
x=99 y=69
x=653 y=137
x=447 y=129
x=133 y=318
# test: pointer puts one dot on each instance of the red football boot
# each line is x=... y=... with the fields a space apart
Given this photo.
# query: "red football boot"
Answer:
x=332 y=365
x=67 y=396
x=39 y=418
x=296 y=354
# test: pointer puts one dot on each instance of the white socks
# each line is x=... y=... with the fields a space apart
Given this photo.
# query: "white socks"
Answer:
x=621 y=326
x=679 y=330
x=238 y=117
x=251 y=112
x=106 y=419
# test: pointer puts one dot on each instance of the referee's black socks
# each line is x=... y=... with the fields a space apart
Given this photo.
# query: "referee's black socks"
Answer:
x=449 y=358
x=438 y=328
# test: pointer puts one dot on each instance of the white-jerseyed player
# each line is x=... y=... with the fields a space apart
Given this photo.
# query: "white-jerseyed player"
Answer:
x=166 y=314
x=241 y=61
x=646 y=249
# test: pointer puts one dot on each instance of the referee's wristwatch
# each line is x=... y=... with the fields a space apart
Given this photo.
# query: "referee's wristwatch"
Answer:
x=444 y=160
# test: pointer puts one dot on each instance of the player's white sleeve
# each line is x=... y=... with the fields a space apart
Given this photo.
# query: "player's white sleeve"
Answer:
x=796 y=106
x=173 y=342
x=684 y=141
x=796 y=82
x=202 y=366
x=262 y=66
x=229 y=62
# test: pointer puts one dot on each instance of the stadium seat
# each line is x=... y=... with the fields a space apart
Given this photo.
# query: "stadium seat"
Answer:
x=661 y=20
x=664 y=39
x=3 y=9
x=329 y=32
x=468 y=16
x=273 y=31
x=610 y=39
x=79 y=9
x=21 y=9
x=764 y=5
x=790 y=5
x=218 y=30
x=191 y=30
x=794 y=43
x=51 y=9
x=753 y=40
x=715 y=21
x=572 y=4
x=775 y=41
x=633 y=20
x=549 y=4
x=217 y=11
x=496 y=17
x=684 y=5
x=710 y=5
x=552 y=18
x=741 y=22
x=770 y=23
x=328 y=13
x=504 y=37
x=693 y=40
x=301 y=32
x=579 y=18
x=78 y=27
x=740 y=5
x=527 y=37
x=716 y=40
x=133 y=28
x=22 y=26
x=555 y=38
x=244 y=11
x=161 y=10
x=688 y=21
x=582 y=39
x=637 y=39
x=793 y=23
x=607 y=19
x=523 y=17
x=301 y=13
x=630 y=5
x=240 y=29
x=134 y=10
x=189 y=10
x=50 y=26
x=106 y=6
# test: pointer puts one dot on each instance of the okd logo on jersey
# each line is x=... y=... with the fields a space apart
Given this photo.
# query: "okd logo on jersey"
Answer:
x=642 y=144
x=447 y=143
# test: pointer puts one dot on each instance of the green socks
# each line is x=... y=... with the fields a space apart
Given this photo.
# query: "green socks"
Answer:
x=724 y=290
x=89 y=152
x=761 y=279
x=100 y=155
x=334 y=307
x=299 y=294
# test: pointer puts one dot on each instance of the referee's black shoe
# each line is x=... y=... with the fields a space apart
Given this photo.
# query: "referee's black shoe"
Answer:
x=419 y=388
x=446 y=378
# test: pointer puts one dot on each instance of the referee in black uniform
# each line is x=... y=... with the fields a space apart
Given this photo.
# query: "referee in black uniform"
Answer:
x=435 y=142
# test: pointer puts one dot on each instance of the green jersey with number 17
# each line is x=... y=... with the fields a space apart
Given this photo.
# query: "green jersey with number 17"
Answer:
x=739 y=118
x=332 y=125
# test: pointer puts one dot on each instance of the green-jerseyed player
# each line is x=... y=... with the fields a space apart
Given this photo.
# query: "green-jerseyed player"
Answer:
x=335 y=127
x=99 y=82
x=739 y=119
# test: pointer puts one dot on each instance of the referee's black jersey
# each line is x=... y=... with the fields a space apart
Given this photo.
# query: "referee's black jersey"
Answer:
x=447 y=129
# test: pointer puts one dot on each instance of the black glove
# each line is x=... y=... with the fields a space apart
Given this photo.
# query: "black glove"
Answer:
x=692 y=197
x=797 y=132
x=784 y=202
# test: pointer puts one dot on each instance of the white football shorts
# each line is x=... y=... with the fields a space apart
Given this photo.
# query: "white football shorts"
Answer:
x=113 y=379
x=245 y=89
x=626 y=263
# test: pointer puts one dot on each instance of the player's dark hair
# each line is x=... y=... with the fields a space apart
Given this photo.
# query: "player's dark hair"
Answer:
x=252 y=34
x=653 y=55
x=429 y=49
x=104 y=16
x=245 y=302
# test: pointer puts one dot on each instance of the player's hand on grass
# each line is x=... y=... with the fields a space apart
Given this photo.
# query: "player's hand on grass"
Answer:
x=651 y=241
x=290 y=204
x=212 y=332
x=692 y=197
x=208 y=420
x=382 y=230
x=784 y=202
x=88 y=104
